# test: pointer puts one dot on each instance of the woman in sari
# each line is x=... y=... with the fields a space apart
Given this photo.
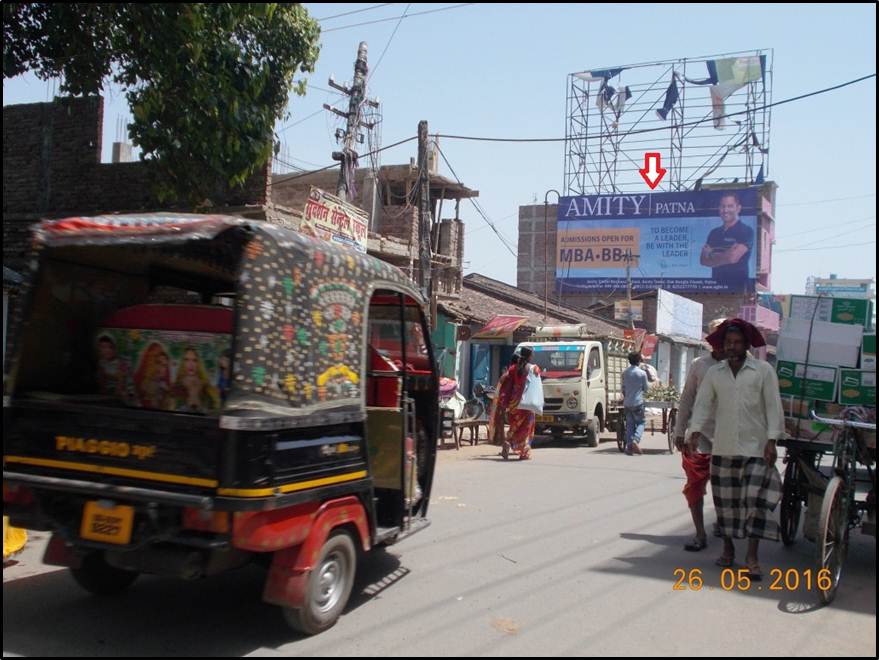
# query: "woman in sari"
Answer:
x=510 y=391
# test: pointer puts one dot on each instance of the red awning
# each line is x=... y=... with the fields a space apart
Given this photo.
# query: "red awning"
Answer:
x=500 y=326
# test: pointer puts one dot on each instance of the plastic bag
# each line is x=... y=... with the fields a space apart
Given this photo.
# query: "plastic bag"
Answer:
x=532 y=398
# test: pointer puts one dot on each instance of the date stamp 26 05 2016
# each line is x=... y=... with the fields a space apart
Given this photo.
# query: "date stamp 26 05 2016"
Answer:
x=740 y=580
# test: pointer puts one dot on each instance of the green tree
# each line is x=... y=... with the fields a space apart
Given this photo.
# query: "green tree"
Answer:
x=205 y=82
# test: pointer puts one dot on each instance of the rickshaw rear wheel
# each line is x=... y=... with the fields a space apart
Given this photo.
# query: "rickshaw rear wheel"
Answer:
x=96 y=576
x=329 y=586
x=833 y=536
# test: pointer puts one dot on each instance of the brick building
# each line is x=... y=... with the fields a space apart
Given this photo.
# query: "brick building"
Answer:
x=52 y=168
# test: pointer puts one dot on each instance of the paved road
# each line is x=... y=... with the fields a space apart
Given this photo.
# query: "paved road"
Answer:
x=573 y=553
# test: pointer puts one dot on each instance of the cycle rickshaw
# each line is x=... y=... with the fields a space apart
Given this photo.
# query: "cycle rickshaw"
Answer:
x=840 y=491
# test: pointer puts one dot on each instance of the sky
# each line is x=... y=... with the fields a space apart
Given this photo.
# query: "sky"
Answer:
x=501 y=71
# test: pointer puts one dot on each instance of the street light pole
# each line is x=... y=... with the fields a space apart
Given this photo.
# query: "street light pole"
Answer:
x=546 y=248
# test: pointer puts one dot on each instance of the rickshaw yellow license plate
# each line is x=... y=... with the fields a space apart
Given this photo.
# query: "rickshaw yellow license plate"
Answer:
x=545 y=418
x=107 y=523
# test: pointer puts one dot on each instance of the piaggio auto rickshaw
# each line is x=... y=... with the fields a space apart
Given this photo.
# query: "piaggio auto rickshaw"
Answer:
x=190 y=393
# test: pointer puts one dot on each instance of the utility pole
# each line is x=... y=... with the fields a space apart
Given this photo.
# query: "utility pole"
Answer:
x=350 y=136
x=424 y=223
x=546 y=247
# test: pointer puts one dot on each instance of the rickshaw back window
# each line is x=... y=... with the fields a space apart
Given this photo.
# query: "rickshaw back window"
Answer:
x=83 y=339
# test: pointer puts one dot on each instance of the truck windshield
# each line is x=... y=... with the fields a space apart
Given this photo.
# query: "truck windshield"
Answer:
x=559 y=361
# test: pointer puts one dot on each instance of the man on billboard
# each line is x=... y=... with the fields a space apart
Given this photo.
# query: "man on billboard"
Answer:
x=728 y=248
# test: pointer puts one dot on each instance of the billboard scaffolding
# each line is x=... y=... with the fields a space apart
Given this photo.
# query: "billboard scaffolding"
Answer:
x=709 y=117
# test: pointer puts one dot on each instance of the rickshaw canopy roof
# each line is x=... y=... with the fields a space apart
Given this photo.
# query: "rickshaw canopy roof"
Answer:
x=301 y=311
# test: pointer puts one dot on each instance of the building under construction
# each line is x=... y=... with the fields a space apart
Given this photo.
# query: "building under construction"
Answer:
x=389 y=196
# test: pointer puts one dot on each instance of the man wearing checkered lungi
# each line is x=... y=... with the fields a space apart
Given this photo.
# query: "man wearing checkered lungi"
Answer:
x=742 y=395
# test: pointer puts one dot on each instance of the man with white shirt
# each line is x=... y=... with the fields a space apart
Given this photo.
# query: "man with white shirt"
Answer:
x=741 y=395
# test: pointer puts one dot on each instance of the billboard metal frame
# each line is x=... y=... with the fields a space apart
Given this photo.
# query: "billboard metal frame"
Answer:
x=604 y=151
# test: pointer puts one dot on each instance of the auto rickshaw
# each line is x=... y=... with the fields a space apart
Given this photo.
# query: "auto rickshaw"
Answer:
x=190 y=393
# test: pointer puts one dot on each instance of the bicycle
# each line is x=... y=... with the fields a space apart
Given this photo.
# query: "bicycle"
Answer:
x=479 y=406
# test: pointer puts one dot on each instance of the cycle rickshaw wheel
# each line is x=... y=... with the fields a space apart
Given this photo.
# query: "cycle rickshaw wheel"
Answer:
x=791 y=503
x=833 y=536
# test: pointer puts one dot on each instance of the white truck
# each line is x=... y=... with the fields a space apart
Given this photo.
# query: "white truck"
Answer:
x=582 y=380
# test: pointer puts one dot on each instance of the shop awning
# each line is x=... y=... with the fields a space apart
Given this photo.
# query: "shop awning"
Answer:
x=501 y=326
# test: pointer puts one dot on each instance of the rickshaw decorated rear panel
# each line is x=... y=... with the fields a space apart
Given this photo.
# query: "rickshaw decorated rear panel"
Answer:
x=299 y=345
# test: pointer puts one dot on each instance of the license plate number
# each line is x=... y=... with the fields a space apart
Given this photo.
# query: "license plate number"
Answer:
x=107 y=523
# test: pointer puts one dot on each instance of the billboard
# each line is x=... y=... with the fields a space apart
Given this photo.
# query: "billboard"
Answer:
x=636 y=335
x=332 y=219
x=686 y=242
x=648 y=346
x=623 y=310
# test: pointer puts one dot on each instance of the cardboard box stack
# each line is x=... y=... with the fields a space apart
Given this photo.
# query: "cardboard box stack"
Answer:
x=826 y=361
x=868 y=352
x=845 y=311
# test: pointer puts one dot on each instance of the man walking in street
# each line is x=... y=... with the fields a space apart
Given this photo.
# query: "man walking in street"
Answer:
x=634 y=388
x=697 y=464
x=741 y=395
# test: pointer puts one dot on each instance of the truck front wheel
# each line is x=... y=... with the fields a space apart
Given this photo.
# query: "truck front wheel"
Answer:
x=592 y=427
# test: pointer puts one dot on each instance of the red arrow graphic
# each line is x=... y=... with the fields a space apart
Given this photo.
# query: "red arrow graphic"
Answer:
x=653 y=171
